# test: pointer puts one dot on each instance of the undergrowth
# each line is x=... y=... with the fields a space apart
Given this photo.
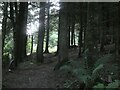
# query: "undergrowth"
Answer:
x=103 y=74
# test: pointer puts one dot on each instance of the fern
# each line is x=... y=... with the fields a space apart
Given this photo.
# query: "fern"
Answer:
x=75 y=63
x=79 y=72
x=82 y=75
x=97 y=68
x=96 y=71
x=66 y=68
x=100 y=86
x=77 y=69
x=115 y=84
x=103 y=60
x=110 y=86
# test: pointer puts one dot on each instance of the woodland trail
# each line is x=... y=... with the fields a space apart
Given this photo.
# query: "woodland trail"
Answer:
x=31 y=78
x=42 y=76
x=31 y=75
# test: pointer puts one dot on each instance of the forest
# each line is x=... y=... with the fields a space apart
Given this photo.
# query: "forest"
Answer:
x=54 y=44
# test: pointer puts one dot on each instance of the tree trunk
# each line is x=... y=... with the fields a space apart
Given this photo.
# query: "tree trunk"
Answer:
x=102 y=34
x=80 y=38
x=4 y=22
x=31 y=44
x=58 y=35
x=91 y=37
x=20 y=33
x=80 y=32
x=13 y=24
x=119 y=30
x=119 y=40
x=69 y=35
x=15 y=51
x=85 y=24
x=41 y=32
x=74 y=37
x=24 y=29
x=117 y=37
x=72 y=33
x=47 y=36
x=63 y=36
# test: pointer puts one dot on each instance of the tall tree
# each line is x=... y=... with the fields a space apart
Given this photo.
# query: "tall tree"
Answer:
x=41 y=33
x=84 y=23
x=80 y=32
x=31 y=44
x=119 y=37
x=69 y=23
x=69 y=27
x=91 y=38
x=119 y=27
x=73 y=31
x=47 y=34
x=117 y=41
x=20 y=33
x=63 y=36
x=102 y=32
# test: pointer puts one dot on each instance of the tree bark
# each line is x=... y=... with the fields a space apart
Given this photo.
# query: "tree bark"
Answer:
x=47 y=36
x=41 y=33
x=20 y=32
x=31 y=44
x=73 y=33
x=91 y=38
x=74 y=38
x=63 y=36
x=15 y=51
x=85 y=25
x=80 y=32
x=102 y=33
x=69 y=27
x=117 y=36
x=80 y=38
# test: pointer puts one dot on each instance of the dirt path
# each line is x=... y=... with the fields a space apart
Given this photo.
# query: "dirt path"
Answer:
x=39 y=76
x=30 y=75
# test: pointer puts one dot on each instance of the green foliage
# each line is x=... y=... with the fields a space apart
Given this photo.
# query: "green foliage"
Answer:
x=106 y=66
x=101 y=66
x=8 y=42
x=100 y=86
x=75 y=63
x=112 y=85
x=53 y=39
x=54 y=24
x=97 y=68
x=79 y=72
x=103 y=60
x=66 y=68
x=8 y=47
x=96 y=71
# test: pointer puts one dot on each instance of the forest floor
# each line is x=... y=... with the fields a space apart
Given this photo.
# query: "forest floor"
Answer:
x=31 y=75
